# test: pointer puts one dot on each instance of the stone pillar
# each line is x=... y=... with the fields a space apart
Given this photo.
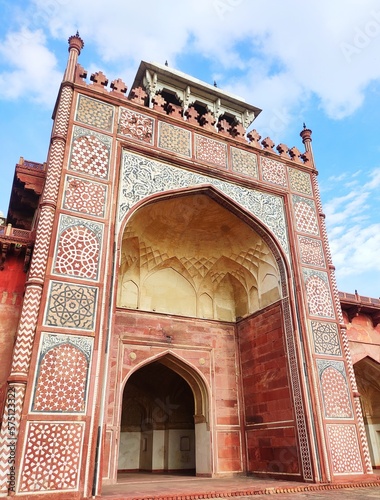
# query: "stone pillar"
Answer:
x=367 y=466
x=33 y=291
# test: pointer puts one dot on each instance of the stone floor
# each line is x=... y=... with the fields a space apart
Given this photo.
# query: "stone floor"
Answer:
x=170 y=487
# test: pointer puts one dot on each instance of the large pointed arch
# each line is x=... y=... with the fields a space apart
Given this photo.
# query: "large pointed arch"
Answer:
x=224 y=200
x=276 y=267
x=242 y=259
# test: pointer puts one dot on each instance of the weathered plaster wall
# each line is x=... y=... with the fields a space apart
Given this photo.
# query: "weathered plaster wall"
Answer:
x=12 y=281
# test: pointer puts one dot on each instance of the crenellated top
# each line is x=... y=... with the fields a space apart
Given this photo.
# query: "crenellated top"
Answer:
x=182 y=97
x=188 y=93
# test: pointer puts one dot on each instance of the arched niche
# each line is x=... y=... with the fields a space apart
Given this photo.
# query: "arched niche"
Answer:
x=168 y=291
x=164 y=421
x=195 y=255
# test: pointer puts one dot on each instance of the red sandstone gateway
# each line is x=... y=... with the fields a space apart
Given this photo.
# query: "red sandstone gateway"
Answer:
x=180 y=313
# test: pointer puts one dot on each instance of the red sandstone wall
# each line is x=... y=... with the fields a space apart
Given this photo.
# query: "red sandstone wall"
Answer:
x=269 y=420
x=12 y=281
x=209 y=346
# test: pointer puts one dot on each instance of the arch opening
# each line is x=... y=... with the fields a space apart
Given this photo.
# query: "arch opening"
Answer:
x=189 y=255
x=163 y=427
x=205 y=283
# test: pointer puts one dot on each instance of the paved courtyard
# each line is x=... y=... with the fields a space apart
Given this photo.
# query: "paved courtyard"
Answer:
x=168 y=487
x=347 y=494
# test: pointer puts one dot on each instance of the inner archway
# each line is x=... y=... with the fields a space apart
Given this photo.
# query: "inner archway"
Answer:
x=194 y=255
x=157 y=431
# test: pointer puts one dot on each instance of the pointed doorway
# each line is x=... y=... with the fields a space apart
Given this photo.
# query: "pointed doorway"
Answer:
x=160 y=430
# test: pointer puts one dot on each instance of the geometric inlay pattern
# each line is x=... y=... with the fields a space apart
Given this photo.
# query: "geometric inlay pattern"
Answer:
x=326 y=339
x=52 y=457
x=344 y=449
x=84 y=196
x=273 y=171
x=90 y=153
x=78 y=248
x=174 y=139
x=305 y=215
x=318 y=293
x=311 y=251
x=300 y=181
x=211 y=151
x=244 y=162
x=94 y=113
x=336 y=398
x=297 y=393
x=62 y=374
x=142 y=177
x=135 y=125
x=71 y=306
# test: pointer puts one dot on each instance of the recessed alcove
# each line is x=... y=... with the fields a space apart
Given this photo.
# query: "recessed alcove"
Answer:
x=190 y=255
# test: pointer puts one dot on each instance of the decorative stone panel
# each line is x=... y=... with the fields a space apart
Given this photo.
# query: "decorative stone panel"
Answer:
x=305 y=215
x=318 y=293
x=344 y=449
x=244 y=162
x=210 y=151
x=71 y=306
x=141 y=177
x=84 y=196
x=297 y=393
x=174 y=139
x=78 y=248
x=90 y=153
x=52 y=457
x=95 y=113
x=300 y=181
x=334 y=387
x=135 y=125
x=311 y=251
x=326 y=339
x=62 y=374
x=273 y=171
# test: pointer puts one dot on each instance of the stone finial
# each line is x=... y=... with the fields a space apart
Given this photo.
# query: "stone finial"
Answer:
x=76 y=42
x=268 y=143
x=138 y=95
x=80 y=73
x=159 y=103
x=254 y=138
x=238 y=132
x=307 y=157
x=295 y=154
x=99 y=79
x=306 y=134
x=174 y=110
x=224 y=127
x=207 y=121
x=283 y=150
x=192 y=115
x=118 y=86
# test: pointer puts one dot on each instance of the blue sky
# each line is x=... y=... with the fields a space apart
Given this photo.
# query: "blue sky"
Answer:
x=316 y=62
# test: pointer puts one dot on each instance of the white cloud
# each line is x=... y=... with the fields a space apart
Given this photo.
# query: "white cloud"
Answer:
x=375 y=181
x=353 y=236
x=283 y=52
x=32 y=67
